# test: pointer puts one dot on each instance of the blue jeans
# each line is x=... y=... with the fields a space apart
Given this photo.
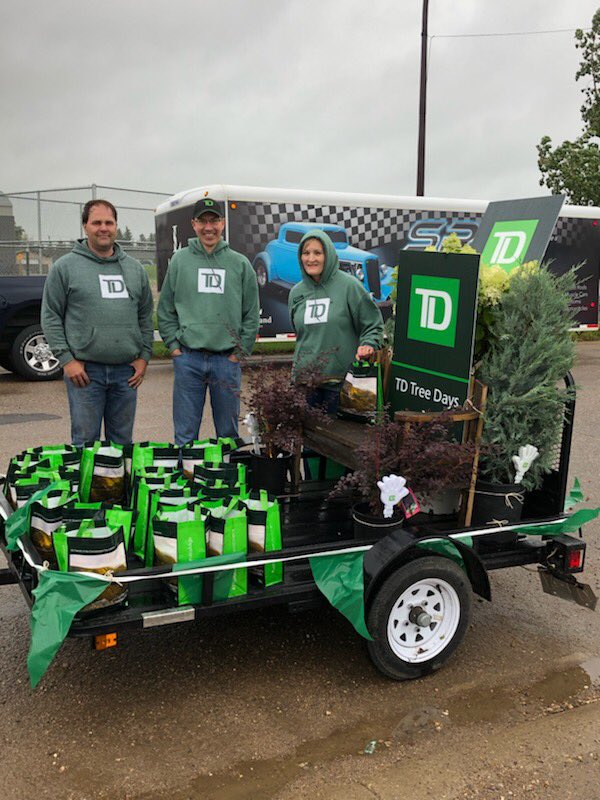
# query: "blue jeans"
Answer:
x=195 y=371
x=328 y=399
x=107 y=397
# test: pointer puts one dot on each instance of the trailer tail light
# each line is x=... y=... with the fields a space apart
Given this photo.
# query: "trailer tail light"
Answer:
x=105 y=640
x=575 y=560
x=566 y=554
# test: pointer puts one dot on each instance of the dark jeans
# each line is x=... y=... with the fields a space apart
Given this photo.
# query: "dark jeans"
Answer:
x=329 y=399
x=107 y=397
x=195 y=371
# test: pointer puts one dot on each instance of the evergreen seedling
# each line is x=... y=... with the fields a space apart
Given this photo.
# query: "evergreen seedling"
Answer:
x=529 y=356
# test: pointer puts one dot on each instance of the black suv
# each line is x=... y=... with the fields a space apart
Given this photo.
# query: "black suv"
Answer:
x=23 y=346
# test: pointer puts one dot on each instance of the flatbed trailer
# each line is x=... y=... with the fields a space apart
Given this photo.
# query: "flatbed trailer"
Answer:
x=418 y=581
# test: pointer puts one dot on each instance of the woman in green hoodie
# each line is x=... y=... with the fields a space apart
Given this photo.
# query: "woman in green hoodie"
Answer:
x=335 y=319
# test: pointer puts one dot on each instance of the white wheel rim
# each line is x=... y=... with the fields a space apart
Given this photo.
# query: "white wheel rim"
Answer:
x=38 y=355
x=416 y=643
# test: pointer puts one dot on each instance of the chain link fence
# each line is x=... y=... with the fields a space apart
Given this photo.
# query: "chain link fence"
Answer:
x=39 y=226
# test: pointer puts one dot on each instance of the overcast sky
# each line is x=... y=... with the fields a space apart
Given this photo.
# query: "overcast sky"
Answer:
x=318 y=94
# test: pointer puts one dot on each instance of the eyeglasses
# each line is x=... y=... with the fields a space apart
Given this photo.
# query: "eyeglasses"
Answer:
x=204 y=222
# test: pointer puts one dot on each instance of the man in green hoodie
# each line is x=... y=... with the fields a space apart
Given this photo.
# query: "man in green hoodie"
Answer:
x=97 y=318
x=208 y=315
x=335 y=319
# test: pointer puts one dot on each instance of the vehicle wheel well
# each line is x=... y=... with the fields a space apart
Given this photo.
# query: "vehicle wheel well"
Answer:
x=23 y=318
x=474 y=570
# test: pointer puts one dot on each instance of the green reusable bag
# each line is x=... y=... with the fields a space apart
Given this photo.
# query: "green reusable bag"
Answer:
x=264 y=535
x=361 y=395
x=199 y=451
x=179 y=537
x=227 y=532
x=48 y=457
x=213 y=495
x=158 y=500
x=89 y=547
x=102 y=473
x=211 y=471
x=46 y=516
x=153 y=454
x=148 y=491
x=24 y=488
x=156 y=477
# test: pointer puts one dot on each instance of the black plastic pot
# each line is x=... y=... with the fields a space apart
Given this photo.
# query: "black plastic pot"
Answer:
x=494 y=504
x=369 y=526
x=269 y=473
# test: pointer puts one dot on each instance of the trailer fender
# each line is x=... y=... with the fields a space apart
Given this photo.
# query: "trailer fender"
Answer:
x=400 y=546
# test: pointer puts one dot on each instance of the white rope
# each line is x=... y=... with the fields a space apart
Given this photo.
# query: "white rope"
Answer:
x=124 y=578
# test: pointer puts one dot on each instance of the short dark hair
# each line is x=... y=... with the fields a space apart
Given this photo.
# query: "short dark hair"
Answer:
x=85 y=214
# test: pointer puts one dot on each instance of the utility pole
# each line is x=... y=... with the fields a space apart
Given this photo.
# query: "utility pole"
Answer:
x=422 y=104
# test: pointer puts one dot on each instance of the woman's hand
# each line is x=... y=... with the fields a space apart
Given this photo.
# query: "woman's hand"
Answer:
x=365 y=351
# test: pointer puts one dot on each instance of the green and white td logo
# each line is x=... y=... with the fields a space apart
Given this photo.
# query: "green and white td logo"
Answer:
x=508 y=242
x=433 y=309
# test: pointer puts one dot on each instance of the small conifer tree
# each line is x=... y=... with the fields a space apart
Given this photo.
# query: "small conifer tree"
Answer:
x=529 y=356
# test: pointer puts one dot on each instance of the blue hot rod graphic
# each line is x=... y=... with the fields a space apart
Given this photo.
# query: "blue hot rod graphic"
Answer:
x=278 y=262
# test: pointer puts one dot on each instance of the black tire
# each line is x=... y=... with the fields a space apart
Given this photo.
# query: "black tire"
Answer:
x=262 y=273
x=437 y=585
x=5 y=362
x=32 y=358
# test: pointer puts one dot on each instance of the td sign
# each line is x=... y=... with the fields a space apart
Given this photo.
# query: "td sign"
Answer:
x=435 y=324
x=508 y=242
x=512 y=232
x=432 y=310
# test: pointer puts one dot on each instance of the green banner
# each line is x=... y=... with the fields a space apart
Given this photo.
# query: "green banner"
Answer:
x=340 y=579
x=58 y=597
x=569 y=525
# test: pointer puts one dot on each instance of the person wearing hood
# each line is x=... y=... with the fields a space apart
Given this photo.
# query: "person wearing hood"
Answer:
x=208 y=316
x=335 y=319
x=97 y=317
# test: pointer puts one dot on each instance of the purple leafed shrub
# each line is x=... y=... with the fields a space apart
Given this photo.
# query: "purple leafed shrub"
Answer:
x=425 y=454
x=279 y=405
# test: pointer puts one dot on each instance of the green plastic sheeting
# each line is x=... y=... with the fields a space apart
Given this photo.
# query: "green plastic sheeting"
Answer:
x=58 y=597
x=575 y=495
x=340 y=579
x=569 y=525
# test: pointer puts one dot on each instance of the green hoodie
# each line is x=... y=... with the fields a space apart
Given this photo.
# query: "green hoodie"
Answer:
x=332 y=317
x=209 y=300
x=98 y=309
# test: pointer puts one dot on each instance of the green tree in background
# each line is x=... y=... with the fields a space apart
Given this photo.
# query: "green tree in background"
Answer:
x=573 y=168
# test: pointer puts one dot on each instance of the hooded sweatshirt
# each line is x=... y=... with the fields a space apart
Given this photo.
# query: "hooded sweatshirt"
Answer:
x=333 y=316
x=98 y=309
x=209 y=300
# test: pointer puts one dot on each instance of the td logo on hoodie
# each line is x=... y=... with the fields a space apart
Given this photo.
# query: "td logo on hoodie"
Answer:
x=112 y=287
x=316 y=311
x=211 y=281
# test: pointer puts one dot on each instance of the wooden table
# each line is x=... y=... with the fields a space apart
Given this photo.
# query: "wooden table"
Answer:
x=338 y=440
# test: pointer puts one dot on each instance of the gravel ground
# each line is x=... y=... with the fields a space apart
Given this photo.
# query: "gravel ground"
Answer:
x=268 y=705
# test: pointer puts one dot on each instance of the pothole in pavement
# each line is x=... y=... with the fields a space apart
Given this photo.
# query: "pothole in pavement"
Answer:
x=250 y=779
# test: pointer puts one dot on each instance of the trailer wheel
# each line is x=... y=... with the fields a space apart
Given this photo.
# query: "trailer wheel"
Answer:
x=418 y=617
x=31 y=357
x=262 y=273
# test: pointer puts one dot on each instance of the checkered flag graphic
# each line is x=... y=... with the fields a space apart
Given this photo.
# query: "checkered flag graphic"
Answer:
x=257 y=223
